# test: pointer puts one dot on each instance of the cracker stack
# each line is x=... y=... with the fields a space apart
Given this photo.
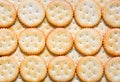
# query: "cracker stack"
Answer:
x=59 y=40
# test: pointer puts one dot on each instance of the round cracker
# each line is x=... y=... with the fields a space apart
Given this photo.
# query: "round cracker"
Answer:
x=112 y=70
x=88 y=41
x=33 y=69
x=59 y=13
x=87 y=13
x=111 y=13
x=7 y=14
x=59 y=41
x=31 y=13
x=61 y=69
x=32 y=41
x=9 y=69
x=8 y=42
x=89 y=69
x=111 y=42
